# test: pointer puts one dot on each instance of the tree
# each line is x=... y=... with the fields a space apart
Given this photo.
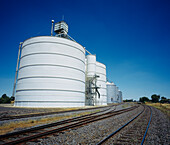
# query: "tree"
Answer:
x=155 y=98
x=163 y=100
x=5 y=99
x=143 y=99
x=130 y=100
x=12 y=98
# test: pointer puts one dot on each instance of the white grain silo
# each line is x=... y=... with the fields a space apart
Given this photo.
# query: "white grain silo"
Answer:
x=91 y=65
x=120 y=96
x=117 y=94
x=91 y=80
x=101 y=83
x=51 y=73
x=95 y=82
x=111 y=93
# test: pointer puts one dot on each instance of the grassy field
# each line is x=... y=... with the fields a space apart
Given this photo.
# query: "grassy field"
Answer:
x=165 y=108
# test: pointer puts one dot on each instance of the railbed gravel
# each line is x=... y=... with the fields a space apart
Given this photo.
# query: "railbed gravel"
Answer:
x=158 y=133
x=89 y=134
x=9 y=110
x=159 y=129
x=136 y=127
x=19 y=110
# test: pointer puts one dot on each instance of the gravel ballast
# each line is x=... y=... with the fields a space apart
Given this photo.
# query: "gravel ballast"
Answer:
x=159 y=129
x=93 y=133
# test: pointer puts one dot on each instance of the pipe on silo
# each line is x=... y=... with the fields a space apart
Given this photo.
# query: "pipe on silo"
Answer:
x=16 y=72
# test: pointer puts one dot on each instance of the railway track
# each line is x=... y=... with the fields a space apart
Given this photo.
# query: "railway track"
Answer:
x=47 y=113
x=60 y=126
x=132 y=132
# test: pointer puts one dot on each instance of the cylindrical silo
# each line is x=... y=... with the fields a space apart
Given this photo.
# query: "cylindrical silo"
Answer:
x=85 y=66
x=120 y=96
x=90 y=80
x=51 y=73
x=111 y=92
x=101 y=82
x=91 y=65
x=117 y=94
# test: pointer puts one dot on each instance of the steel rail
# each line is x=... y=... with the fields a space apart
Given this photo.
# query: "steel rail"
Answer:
x=147 y=127
x=109 y=136
x=87 y=116
x=112 y=134
x=50 y=125
x=73 y=125
x=48 y=113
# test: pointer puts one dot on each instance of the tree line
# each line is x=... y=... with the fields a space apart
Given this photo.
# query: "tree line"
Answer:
x=5 y=99
x=155 y=99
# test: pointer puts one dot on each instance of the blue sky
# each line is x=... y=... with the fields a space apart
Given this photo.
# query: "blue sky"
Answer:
x=132 y=37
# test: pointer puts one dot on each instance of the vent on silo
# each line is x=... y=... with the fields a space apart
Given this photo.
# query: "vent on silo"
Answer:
x=61 y=30
x=61 y=27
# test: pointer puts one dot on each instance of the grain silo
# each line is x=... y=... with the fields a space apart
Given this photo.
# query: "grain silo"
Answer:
x=51 y=71
x=91 y=65
x=91 y=80
x=95 y=82
x=120 y=96
x=101 y=82
x=111 y=93
x=117 y=94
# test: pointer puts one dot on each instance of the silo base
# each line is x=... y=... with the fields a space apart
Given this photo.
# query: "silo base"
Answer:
x=48 y=104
